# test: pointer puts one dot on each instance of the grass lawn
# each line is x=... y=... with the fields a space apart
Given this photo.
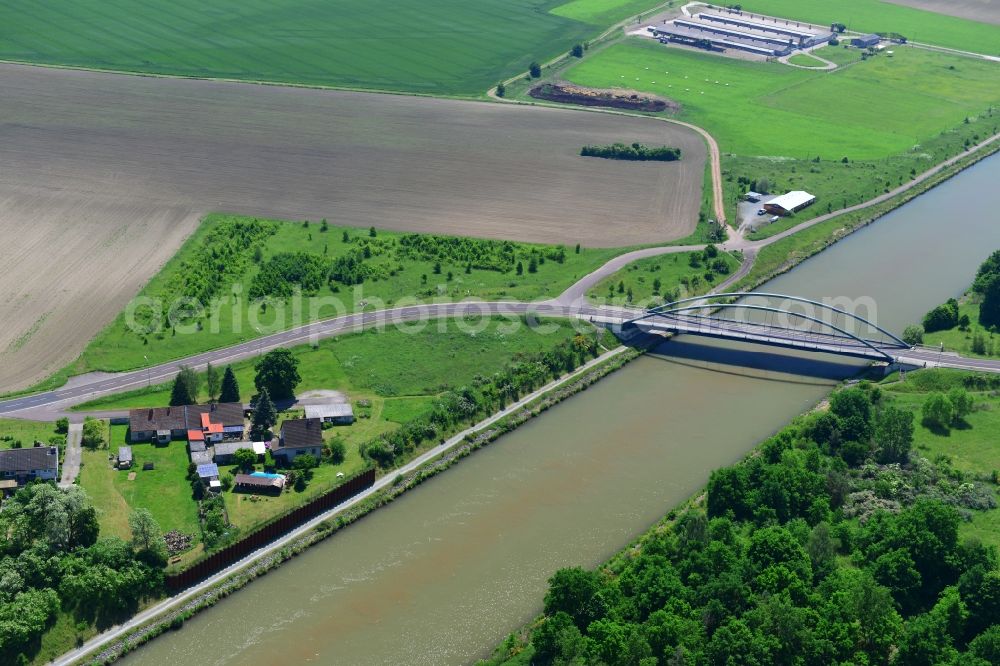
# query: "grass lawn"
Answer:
x=875 y=16
x=973 y=449
x=805 y=60
x=924 y=99
x=676 y=276
x=398 y=279
x=26 y=432
x=164 y=490
x=448 y=47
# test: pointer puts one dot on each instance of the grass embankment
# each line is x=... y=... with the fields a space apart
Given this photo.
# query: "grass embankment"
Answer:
x=884 y=17
x=392 y=377
x=786 y=253
x=450 y=48
x=655 y=280
x=26 y=432
x=795 y=127
x=229 y=260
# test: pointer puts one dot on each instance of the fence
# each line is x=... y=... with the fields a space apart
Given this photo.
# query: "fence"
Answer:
x=265 y=534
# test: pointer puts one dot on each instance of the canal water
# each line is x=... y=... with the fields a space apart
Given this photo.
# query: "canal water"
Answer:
x=445 y=572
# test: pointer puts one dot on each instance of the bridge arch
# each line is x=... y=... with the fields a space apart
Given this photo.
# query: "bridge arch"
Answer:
x=682 y=309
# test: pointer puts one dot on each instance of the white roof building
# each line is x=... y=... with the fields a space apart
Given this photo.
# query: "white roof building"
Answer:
x=791 y=201
x=330 y=411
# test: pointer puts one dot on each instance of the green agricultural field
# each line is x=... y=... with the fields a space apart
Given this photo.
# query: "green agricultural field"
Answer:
x=757 y=109
x=441 y=48
x=659 y=279
x=796 y=127
x=396 y=269
x=884 y=17
x=26 y=432
x=602 y=12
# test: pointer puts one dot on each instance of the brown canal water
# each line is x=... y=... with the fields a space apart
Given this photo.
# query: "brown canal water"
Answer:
x=445 y=572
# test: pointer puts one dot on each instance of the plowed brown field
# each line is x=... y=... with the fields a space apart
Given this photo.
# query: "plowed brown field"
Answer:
x=104 y=175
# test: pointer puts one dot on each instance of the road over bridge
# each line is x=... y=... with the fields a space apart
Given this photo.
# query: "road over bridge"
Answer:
x=699 y=316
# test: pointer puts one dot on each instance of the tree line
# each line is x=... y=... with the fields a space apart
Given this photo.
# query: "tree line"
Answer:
x=779 y=567
x=53 y=560
x=635 y=152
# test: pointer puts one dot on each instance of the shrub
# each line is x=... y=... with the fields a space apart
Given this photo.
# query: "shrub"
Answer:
x=942 y=318
x=913 y=334
x=634 y=152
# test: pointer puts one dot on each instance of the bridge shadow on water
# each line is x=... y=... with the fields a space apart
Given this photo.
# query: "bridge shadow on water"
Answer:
x=757 y=361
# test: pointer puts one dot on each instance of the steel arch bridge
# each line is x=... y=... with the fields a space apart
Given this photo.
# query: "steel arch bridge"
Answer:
x=819 y=327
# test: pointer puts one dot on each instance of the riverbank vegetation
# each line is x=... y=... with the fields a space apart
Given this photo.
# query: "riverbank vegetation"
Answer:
x=253 y=268
x=843 y=538
x=657 y=280
x=969 y=325
x=932 y=106
x=635 y=152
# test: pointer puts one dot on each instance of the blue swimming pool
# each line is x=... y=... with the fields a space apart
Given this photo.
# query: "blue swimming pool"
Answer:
x=266 y=475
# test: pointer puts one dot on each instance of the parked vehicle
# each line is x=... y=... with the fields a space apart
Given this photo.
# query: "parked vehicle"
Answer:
x=761 y=211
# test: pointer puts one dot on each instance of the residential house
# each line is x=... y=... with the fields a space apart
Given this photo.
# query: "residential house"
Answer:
x=298 y=436
x=206 y=423
x=24 y=465
x=225 y=451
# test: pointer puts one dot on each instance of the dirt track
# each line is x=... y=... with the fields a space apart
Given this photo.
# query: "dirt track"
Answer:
x=104 y=175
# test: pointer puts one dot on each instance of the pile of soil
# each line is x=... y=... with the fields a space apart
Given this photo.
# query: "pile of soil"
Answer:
x=614 y=99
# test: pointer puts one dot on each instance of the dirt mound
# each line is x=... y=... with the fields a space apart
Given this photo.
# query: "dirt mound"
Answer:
x=614 y=99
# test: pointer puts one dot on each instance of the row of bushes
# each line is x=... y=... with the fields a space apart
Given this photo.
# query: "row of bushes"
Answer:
x=634 y=152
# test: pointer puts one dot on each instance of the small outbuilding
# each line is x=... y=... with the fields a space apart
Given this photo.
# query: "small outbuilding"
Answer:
x=208 y=472
x=259 y=483
x=753 y=197
x=789 y=203
x=124 y=457
x=225 y=451
x=864 y=41
x=340 y=413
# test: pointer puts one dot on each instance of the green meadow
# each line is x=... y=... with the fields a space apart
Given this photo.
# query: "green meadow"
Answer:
x=867 y=111
x=396 y=363
x=660 y=279
x=446 y=47
x=884 y=17
x=846 y=135
x=434 y=274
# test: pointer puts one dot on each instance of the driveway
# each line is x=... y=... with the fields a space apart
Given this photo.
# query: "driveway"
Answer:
x=71 y=463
